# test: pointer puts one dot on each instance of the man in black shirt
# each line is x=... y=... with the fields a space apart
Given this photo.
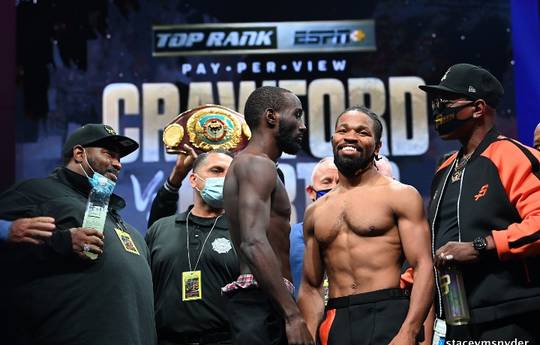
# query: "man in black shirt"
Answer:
x=52 y=293
x=192 y=256
x=484 y=214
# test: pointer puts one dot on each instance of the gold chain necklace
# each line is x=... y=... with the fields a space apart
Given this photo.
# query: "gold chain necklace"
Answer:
x=459 y=167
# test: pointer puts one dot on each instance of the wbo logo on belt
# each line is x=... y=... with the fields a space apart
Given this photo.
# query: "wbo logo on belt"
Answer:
x=207 y=128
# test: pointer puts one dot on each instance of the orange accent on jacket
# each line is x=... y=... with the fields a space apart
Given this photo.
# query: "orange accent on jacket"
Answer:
x=448 y=161
x=522 y=187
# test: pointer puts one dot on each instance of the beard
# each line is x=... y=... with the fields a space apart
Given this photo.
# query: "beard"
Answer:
x=286 y=140
x=94 y=166
x=350 y=166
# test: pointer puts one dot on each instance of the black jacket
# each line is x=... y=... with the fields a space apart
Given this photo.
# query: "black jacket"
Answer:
x=499 y=196
x=164 y=204
x=52 y=296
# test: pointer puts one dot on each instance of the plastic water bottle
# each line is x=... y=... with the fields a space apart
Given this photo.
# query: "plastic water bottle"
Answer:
x=96 y=212
x=454 y=297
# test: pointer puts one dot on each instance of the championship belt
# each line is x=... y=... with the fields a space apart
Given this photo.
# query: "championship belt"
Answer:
x=207 y=128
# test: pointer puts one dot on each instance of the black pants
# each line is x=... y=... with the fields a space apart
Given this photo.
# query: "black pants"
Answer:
x=254 y=318
x=524 y=327
x=210 y=337
x=166 y=342
x=369 y=318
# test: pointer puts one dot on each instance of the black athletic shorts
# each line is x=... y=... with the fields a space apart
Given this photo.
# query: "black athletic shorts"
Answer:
x=368 y=318
x=254 y=318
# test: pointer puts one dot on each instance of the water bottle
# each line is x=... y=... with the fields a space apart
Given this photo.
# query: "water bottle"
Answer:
x=454 y=296
x=96 y=212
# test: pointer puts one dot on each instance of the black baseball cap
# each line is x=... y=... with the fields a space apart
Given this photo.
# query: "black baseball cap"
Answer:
x=470 y=81
x=99 y=135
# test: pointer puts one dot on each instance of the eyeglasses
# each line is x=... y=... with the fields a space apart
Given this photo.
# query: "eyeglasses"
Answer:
x=439 y=104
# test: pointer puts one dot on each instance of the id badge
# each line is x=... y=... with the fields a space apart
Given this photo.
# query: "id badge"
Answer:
x=191 y=286
x=439 y=332
x=127 y=241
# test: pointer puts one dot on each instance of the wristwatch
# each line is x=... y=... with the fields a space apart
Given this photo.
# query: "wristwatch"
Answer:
x=480 y=244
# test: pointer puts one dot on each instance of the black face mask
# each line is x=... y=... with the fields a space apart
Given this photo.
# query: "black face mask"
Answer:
x=446 y=118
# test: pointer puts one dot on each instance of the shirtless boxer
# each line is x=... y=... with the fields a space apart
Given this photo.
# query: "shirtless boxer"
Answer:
x=260 y=302
x=360 y=233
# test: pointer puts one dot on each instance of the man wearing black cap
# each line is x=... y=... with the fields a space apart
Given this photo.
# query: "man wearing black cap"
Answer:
x=54 y=293
x=485 y=210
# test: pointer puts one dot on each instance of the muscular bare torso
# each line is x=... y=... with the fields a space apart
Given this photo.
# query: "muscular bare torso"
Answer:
x=358 y=237
x=278 y=228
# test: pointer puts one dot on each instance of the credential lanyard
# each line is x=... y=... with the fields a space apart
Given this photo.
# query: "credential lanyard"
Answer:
x=204 y=243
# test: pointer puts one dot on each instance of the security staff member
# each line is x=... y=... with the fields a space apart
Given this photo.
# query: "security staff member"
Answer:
x=192 y=257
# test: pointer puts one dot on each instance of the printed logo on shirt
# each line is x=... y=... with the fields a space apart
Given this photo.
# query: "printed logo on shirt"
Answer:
x=221 y=245
x=481 y=193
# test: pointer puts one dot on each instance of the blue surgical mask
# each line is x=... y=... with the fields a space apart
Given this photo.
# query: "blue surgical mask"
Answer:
x=99 y=182
x=212 y=193
x=321 y=193
x=102 y=184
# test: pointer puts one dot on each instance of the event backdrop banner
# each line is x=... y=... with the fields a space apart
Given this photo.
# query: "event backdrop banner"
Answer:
x=161 y=59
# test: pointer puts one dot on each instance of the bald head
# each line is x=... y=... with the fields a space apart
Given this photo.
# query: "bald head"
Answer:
x=324 y=177
x=536 y=143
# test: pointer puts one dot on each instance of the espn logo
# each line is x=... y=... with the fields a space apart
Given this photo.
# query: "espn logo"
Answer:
x=322 y=37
